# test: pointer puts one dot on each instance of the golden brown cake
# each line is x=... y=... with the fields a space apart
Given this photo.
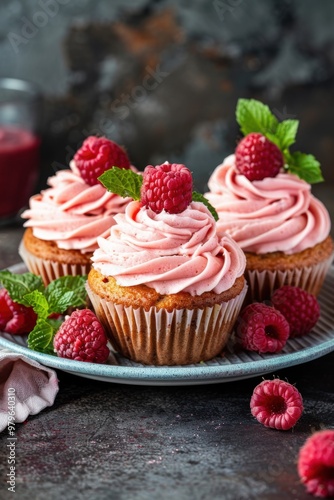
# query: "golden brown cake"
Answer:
x=146 y=297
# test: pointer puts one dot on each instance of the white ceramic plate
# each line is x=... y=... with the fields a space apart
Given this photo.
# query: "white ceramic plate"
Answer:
x=233 y=365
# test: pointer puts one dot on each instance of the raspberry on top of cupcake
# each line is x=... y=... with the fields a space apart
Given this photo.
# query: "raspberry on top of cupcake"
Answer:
x=65 y=220
x=263 y=198
x=164 y=265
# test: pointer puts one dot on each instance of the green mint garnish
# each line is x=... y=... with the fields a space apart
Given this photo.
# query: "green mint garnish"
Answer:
x=199 y=197
x=60 y=295
x=123 y=182
x=286 y=133
x=65 y=292
x=41 y=337
x=305 y=166
x=18 y=285
x=254 y=116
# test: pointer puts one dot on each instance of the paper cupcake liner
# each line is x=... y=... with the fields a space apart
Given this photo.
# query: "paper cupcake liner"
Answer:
x=263 y=283
x=159 y=337
x=50 y=270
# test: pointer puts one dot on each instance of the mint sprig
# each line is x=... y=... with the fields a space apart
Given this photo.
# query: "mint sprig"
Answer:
x=123 y=182
x=41 y=337
x=305 y=166
x=18 y=285
x=127 y=183
x=60 y=295
x=254 y=116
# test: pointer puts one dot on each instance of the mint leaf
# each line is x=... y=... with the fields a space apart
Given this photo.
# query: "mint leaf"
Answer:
x=254 y=116
x=60 y=301
x=305 y=166
x=65 y=292
x=123 y=182
x=41 y=337
x=199 y=197
x=286 y=133
x=38 y=302
x=18 y=285
x=273 y=138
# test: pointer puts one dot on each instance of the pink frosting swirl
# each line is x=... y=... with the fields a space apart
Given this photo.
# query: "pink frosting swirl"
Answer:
x=274 y=214
x=169 y=252
x=71 y=213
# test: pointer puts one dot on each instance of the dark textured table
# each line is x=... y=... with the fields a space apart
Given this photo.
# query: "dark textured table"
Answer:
x=105 y=440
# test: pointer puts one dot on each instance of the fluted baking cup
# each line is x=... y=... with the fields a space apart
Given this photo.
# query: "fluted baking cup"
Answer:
x=261 y=284
x=50 y=270
x=159 y=337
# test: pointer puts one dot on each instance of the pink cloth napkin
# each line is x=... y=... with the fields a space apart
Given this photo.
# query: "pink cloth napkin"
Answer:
x=26 y=387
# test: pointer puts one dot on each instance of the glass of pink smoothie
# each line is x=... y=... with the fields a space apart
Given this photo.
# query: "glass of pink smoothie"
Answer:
x=20 y=115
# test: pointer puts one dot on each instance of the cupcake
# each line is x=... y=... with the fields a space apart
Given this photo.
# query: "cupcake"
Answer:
x=166 y=288
x=263 y=198
x=64 y=221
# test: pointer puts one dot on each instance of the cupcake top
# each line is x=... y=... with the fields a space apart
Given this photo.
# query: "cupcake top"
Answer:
x=76 y=209
x=262 y=193
x=167 y=243
x=273 y=214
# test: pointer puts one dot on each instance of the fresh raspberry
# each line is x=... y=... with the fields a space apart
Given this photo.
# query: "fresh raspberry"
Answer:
x=5 y=312
x=299 y=307
x=256 y=157
x=167 y=187
x=98 y=154
x=15 y=318
x=262 y=328
x=316 y=463
x=82 y=337
x=276 y=404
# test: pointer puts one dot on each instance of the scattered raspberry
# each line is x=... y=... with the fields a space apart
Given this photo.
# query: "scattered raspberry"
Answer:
x=167 y=187
x=262 y=328
x=276 y=404
x=316 y=464
x=15 y=318
x=5 y=312
x=300 y=308
x=256 y=157
x=81 y=337
x=98 y=154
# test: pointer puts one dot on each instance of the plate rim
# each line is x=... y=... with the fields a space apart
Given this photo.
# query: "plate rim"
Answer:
x=170 y=375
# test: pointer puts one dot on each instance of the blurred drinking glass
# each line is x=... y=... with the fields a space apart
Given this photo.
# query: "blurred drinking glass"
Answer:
x=20 y=116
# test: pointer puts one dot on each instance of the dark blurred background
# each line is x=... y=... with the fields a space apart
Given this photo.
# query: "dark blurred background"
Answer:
x=162 y=77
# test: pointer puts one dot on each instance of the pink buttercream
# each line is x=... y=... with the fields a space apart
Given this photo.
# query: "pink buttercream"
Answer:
x=169 y=252
x=71 y=213
x=274 y=214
